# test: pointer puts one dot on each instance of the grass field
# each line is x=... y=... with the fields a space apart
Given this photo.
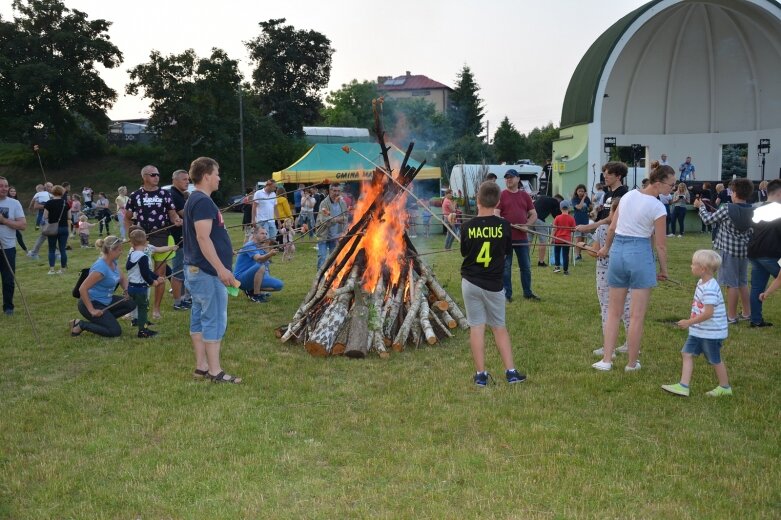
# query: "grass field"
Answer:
x=95 y=428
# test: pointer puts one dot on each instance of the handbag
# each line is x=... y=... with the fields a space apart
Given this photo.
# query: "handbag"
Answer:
x=52 y=229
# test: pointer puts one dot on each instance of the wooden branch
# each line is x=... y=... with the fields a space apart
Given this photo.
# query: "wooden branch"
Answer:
x=425 y=323
x=358 y=341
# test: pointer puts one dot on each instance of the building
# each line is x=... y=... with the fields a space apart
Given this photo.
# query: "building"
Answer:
x=416 y=86
x=130 y=131
x=695 y=78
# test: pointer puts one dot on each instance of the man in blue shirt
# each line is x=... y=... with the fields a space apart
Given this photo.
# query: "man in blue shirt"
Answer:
x=687 y=170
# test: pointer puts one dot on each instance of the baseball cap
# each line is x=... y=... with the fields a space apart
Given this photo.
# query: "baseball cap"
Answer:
x=565 y=204
x=510 y=173
x=491 y=176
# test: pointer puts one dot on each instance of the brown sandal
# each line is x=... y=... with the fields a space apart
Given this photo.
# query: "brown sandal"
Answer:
x=75 y=324
x=222 y=377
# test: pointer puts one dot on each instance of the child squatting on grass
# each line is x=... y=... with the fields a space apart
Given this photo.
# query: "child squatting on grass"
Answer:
x=707 y=326
x=485 y=241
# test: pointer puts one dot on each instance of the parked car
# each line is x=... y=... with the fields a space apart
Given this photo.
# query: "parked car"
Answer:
x=234 y=202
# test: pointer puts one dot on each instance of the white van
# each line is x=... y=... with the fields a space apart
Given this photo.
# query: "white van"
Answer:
x=466 y=178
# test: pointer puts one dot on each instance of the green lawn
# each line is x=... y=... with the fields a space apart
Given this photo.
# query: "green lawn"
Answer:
x=95 y=428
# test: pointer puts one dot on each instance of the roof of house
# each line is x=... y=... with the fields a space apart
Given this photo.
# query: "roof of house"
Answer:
x=411 y=82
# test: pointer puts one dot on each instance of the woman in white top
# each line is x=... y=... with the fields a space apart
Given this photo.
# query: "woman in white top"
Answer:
x=639 y=216
x=120 y=201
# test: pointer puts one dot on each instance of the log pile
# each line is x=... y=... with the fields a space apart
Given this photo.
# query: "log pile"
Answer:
x=373 y=293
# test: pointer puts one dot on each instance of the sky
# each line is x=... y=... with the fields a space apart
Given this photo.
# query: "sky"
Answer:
x=522 y=52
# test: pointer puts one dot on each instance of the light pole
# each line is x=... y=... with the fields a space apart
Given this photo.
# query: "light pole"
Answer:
x=241 y=141
x=763 y=148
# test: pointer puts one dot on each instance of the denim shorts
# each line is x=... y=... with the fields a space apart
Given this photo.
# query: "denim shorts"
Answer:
x=710 y=347
x=177 y=265
x=541 y=227
x=631 y=263
x=209 y=313
x=733 y=271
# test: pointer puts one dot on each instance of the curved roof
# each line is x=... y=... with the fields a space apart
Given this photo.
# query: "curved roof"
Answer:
x=711 y=40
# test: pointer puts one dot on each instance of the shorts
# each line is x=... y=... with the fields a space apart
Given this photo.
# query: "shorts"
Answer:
x=632 y=264
x=162 y=239
x=733 y=271
x=710 y=347
x=541 y=226
x=209 y=313
x=177 y=266
x=483 y=307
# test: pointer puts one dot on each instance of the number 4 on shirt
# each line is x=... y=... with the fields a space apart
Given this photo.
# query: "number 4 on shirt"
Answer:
x=484 y=256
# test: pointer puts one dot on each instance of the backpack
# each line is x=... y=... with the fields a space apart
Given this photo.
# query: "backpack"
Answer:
x=83 y=274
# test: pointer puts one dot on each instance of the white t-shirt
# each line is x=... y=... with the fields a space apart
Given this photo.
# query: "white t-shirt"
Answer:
x=87 y=194
x=637 y=213
x=266 y=203
x=709 y=293
x=12 y=210
x=41 y=197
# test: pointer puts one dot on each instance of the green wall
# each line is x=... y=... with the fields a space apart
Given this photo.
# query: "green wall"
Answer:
x=573 y=143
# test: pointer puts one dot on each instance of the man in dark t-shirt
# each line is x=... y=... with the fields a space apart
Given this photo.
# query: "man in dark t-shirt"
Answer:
x=545 y=207
x=614 y=173
x=485 y=242
x=179 y=184
x=207 y=270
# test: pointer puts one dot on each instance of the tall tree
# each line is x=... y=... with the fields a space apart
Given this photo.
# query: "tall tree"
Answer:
x=466 y=109
x=539 y=143
x=351 y=105
x=508 y=143
x=49 y=86
x=292 y=68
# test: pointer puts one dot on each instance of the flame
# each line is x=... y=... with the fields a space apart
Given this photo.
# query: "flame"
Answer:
x=383 y=241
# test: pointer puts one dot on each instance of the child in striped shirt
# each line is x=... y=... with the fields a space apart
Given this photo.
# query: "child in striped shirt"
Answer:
x=707 y=326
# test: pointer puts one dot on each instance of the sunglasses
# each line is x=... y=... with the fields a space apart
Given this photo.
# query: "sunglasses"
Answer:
x=152 y=174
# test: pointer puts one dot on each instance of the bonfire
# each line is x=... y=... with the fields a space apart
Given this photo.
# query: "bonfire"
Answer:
x=374 y=293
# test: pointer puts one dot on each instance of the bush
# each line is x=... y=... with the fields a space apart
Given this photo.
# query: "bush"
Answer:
x=16 y=154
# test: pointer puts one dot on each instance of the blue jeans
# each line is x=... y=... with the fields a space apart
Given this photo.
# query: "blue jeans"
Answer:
x=309 y=220
x=521 y=249
x=669 y=218
x=271 y=228
x=7 y=271
x=209 y=313
x=449 y=236
x=761 y=271
x=324 y=248
x=269 y=283
x=679 y=215
x=561 y=257
x=60 y=241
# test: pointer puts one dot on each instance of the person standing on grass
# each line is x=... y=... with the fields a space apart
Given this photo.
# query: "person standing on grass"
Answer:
x=19 y=238
x=140 y=277
x=103 y=214
x=562 y=233
x=97 y=302
x=516 y=206
x=208 y=256
x=681 y=198
x=614 y=173
x=153 y=209
x=180 y=181
x=581 y=207
x=331 y=223
x=56 y=210
x=448 y=208
x=11 y=221
x=707 y=327
x=764 y=249
x=544 y=206
x=485 y=240
x=731 y=242
x=264 y=204
x=638 y=217
x=38 y=205
x=120 y=203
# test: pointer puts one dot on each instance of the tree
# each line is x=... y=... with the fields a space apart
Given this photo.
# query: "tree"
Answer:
x=292 y=67
x=538 y=144
x=50 y=90
x=351 y=105
x=508 y=143
x=466 y=108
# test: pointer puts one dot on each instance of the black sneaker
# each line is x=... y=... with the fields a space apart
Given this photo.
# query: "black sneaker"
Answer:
x=182 y=306
x=513 y=376
x=542 y=264
x=146 y=333
x=762 y=323
x=532 y=297
x=481 y=379
x=259 y=298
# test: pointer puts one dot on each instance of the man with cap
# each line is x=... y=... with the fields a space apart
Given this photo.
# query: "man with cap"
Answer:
x=516 y=206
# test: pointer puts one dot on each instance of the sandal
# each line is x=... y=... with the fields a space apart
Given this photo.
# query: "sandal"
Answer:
x=200 y=374
x=75 y=324
x=222 y=377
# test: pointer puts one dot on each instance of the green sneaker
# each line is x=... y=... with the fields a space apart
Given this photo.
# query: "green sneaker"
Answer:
x=719 y=391
x=677 y=389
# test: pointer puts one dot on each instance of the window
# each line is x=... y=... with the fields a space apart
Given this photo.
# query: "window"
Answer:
x=734 y=158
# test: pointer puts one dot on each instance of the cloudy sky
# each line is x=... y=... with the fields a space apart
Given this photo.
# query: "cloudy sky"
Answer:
x=522 y=52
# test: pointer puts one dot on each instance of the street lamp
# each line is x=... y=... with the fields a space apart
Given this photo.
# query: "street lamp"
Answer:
x=763 y=148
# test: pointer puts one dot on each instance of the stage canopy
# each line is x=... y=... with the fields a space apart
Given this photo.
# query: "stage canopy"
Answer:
x=330 y=162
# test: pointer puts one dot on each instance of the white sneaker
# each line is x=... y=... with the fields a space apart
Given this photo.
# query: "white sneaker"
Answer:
x=51 y=271
x=623 y=349
x=601 y=352
x=670 y=235
x=634 y=368
x=680 y=236
x=601 y=365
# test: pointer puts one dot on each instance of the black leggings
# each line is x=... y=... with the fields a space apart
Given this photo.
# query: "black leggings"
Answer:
x=107 y=324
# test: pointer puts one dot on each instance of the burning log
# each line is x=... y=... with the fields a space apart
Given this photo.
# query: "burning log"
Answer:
x=373 y=293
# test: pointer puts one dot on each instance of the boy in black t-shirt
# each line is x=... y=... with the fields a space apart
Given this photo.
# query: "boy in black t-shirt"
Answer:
x=485 y=241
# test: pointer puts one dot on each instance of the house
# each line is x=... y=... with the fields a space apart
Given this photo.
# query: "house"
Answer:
x=416 y=86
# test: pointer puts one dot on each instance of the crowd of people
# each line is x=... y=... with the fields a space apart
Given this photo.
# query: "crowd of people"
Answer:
x=180 y=237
